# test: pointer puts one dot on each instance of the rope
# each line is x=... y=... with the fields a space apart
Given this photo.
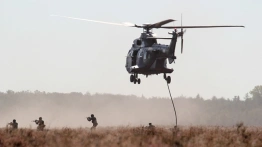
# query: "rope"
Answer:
x=172 y=103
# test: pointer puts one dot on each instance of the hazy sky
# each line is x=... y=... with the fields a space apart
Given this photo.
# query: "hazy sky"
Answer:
x=53 y=54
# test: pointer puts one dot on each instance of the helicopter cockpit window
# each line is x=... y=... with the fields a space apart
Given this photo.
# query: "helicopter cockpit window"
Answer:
x=138 y=42
x=150 y=42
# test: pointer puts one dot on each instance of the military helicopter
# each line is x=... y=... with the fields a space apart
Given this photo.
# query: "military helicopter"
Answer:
x=147 y=56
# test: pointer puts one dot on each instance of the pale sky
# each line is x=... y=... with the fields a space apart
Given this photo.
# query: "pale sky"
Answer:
x=52 y=54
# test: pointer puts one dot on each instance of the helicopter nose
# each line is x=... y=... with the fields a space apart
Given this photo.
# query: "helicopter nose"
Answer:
x=128 y=69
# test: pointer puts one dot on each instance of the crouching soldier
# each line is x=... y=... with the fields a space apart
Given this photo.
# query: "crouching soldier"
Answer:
x=150 y=130
x=151 y=126
x=13 y=124
x=40 y=123
x=94 y=121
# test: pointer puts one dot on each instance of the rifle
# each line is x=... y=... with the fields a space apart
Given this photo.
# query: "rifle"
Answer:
x=8 y=125
x=35 y=121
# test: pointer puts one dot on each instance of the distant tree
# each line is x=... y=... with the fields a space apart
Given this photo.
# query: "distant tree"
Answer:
x=246 y=96
x=198 y=96
x=257 y=93
x=214 y=98
x=87 y=94
x=142 y=96
x=9 y=92
x=236 y=98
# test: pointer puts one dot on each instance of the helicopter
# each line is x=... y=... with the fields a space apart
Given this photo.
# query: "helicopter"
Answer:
x=147 y=56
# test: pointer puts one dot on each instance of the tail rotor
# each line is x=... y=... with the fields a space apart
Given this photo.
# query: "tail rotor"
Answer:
x=182 y=34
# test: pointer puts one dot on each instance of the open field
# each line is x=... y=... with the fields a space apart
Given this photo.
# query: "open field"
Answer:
x=70 y=110
x=135 y=136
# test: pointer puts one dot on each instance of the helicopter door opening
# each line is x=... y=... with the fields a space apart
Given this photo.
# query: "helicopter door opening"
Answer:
x=134 y=54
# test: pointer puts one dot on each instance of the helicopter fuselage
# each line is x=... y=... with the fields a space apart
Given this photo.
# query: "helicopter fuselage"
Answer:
x=147 y=57
x=147 y=60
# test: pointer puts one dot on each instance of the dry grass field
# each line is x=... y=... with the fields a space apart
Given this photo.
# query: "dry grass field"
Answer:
x=134 y=136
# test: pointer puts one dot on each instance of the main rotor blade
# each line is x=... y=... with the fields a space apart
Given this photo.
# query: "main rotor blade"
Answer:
x=127 y=24
x=177 y=27
x=159 y=24
x=155 y=25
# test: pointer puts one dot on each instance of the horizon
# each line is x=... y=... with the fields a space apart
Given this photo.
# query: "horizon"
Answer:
x=116 y=94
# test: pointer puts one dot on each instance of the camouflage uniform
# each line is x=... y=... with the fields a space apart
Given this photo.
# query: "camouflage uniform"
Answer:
x=151 y=126
x=40 y=123
x=94 y=121
x=14 y=124
x=150 y=130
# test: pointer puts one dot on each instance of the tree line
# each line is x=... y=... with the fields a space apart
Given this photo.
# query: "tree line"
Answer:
x=113 y=109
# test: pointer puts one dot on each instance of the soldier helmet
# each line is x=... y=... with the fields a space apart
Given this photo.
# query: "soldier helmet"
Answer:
x=14 y=120
x=92 y=115
x=40 y=118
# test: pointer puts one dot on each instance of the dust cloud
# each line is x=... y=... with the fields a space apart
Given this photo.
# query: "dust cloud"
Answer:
x=71 y=109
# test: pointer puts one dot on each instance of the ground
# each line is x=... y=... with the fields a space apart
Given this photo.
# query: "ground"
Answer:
x=193 y=136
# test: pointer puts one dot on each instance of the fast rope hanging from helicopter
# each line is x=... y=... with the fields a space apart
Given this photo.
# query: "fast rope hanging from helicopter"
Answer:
x=172 y=103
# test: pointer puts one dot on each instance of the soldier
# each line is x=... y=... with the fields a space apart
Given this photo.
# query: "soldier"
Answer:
x=94 y=121
x=40 y=123
x=14 y=124
x=151 y=126
x=150 y=130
